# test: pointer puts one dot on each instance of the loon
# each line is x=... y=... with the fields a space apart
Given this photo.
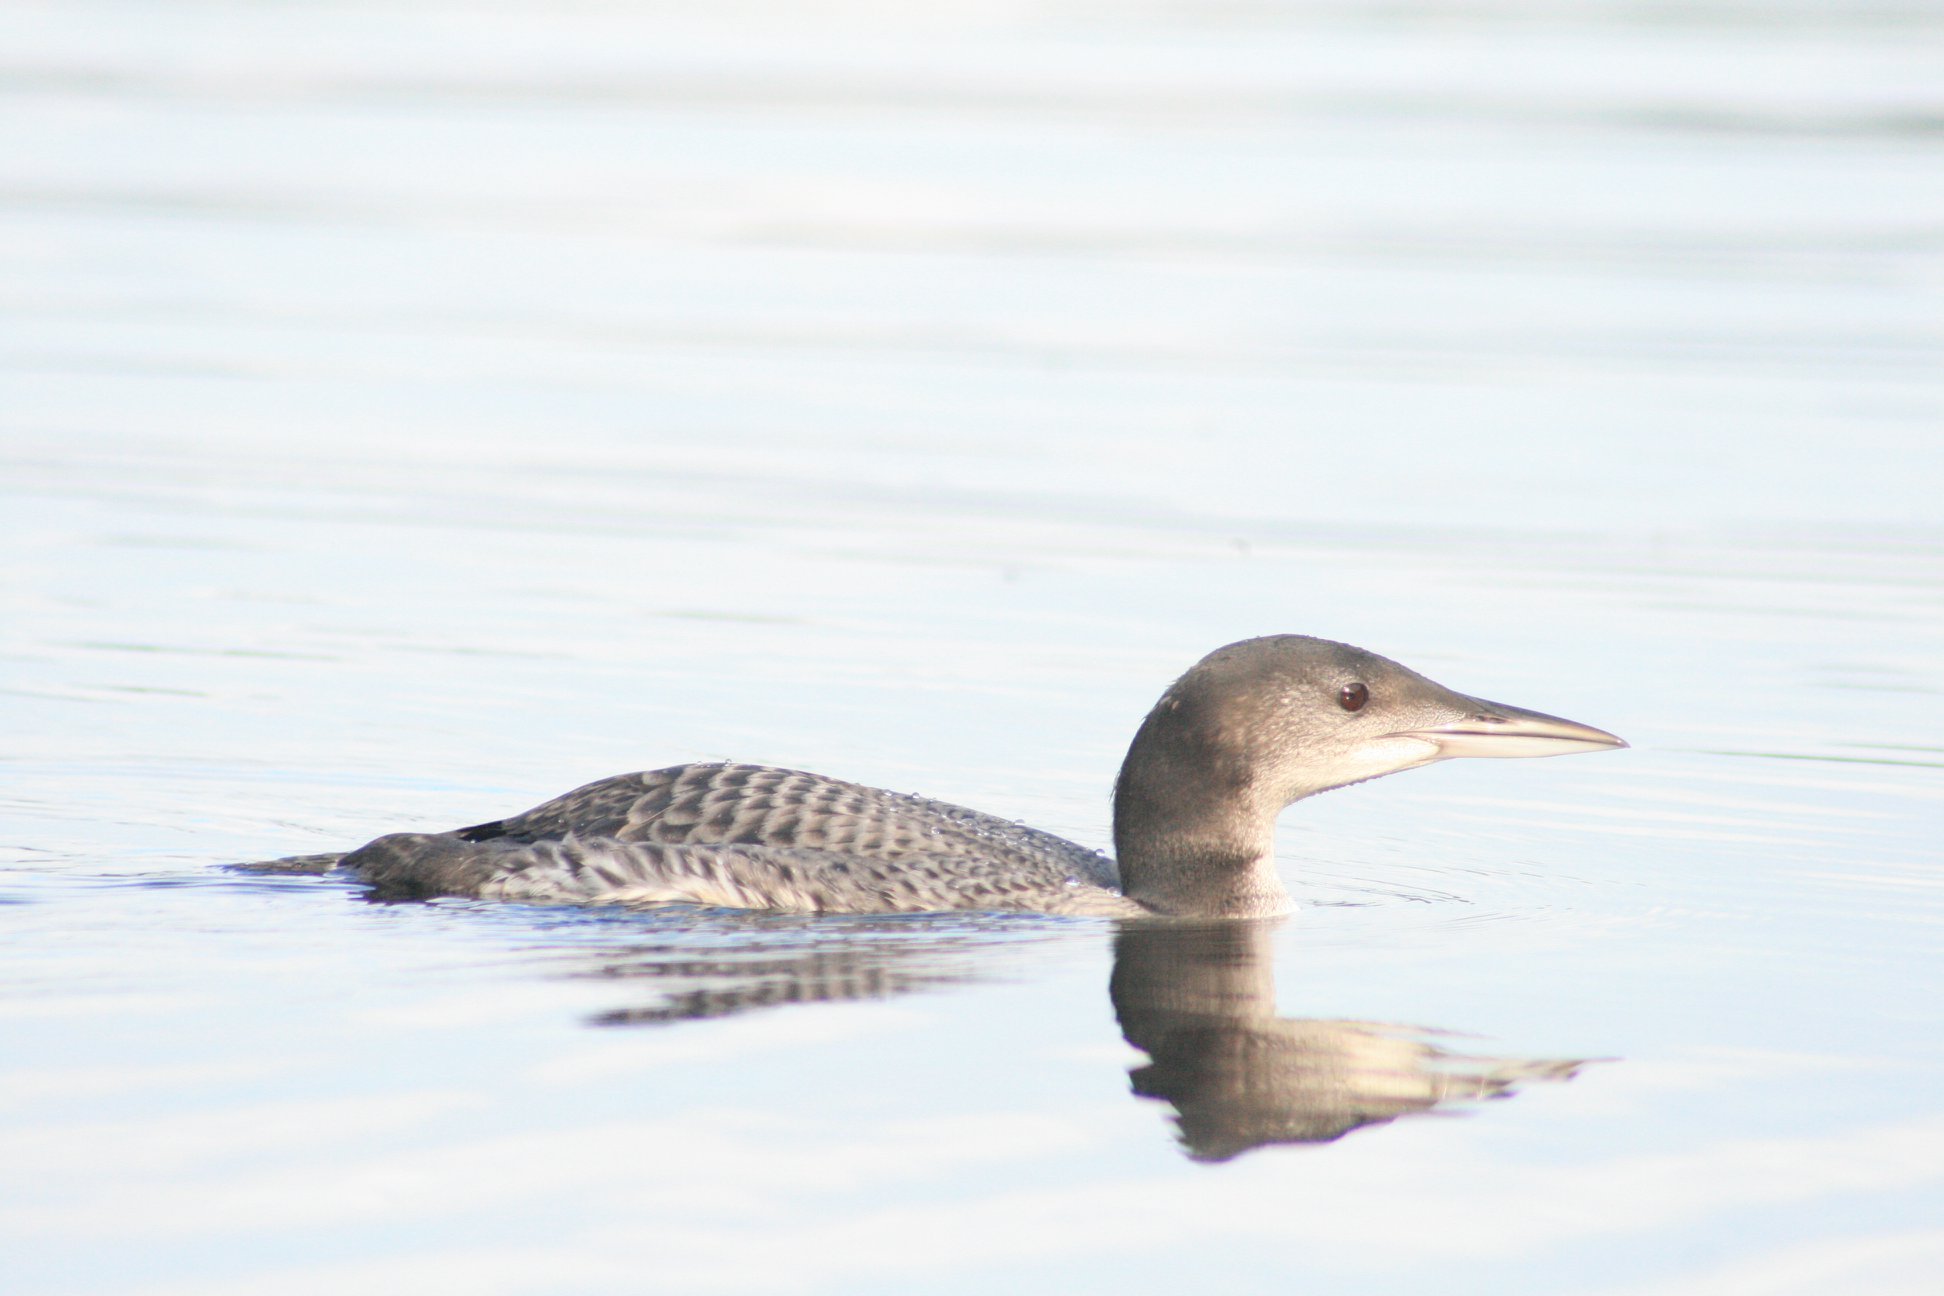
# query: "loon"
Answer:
x=1247 y=731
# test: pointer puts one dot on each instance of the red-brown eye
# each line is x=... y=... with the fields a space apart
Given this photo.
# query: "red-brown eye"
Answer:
x=1351 y=697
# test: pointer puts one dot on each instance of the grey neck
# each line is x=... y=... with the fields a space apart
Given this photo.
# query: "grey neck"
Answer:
x=1194 y=834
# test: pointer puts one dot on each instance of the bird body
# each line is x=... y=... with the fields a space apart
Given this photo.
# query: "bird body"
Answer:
x=751 y=837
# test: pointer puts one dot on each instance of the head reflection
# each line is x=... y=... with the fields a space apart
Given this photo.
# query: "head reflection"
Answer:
x=1200 y=1001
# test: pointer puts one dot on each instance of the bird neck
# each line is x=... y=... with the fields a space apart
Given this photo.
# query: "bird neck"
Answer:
x=1195 y=839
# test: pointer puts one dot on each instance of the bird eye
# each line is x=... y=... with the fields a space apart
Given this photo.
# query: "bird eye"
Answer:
x=1351 y=697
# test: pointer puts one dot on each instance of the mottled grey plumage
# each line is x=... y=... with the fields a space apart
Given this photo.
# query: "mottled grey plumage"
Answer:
x=1250 y=729
x=750 y=837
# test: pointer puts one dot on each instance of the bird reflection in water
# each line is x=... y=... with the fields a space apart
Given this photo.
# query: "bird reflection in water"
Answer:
x=1197 y=998
x=1200 y=1001
x=772 y=961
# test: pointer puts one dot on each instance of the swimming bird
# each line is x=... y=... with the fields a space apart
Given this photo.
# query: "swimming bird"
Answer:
x=1247 y=731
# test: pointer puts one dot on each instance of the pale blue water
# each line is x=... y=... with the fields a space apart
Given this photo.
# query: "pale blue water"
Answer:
x=408 y=413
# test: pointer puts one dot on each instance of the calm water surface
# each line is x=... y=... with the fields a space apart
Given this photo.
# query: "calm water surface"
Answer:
x=408 y=413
